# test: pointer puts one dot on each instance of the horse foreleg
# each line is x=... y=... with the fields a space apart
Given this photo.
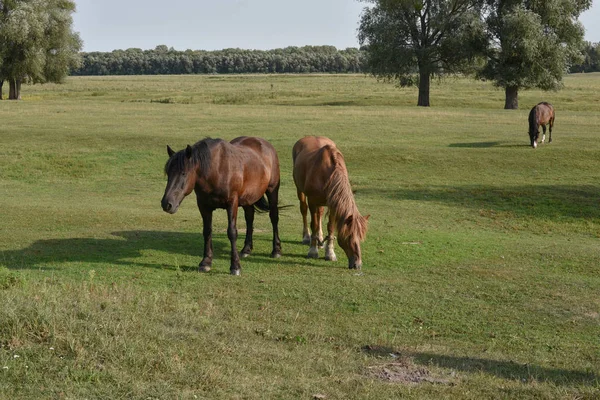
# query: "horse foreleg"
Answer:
x=544 y=133
x=313 y=251
x=321 y=211
x=550 y=130
x=249 y=216
x=206 y=262
x=232 y=234
x=304 y=212
x=329 y=253
x=273 y=197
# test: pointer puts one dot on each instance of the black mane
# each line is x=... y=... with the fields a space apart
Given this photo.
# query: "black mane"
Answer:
x=200 y=157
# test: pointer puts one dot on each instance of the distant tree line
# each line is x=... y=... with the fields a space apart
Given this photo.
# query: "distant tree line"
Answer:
x=591 y=61
x=163 y=60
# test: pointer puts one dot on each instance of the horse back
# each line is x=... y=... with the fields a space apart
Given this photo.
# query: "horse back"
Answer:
x=315 y=159
x=544 y=113
x=244 y=168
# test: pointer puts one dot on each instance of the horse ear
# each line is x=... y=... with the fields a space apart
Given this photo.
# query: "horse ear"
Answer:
x=170 y=151
x=188 y=151
x=367 y=217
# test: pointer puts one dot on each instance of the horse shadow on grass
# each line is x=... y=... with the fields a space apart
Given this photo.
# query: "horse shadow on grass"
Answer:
x=126 y=248
x=122 y=249
x=486 y=145
x=504 y=369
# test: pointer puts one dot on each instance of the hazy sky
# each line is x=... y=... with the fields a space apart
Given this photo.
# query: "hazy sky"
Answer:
x=107 y=25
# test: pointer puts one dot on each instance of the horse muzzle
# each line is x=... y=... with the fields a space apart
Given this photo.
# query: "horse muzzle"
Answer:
x=169 y=206
x=353 y=263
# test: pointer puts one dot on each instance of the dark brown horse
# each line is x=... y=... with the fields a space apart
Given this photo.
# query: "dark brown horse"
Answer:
x=542 y=114
x=226 y=175
x=321 y=180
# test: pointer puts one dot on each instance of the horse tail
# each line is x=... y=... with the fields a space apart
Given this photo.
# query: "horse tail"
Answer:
x=262 y=205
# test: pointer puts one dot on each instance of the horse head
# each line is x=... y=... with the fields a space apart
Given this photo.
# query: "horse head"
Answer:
x=180 y=179
x=350 y=235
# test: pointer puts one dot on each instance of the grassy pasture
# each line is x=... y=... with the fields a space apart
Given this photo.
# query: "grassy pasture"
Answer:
x=481 y=274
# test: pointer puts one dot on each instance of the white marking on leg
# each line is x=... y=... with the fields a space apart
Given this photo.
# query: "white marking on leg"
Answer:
x=329 y=253
x=543 y=138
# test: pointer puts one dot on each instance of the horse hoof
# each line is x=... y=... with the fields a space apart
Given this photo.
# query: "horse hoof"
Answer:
x=331 y=258
x=245 y=255
x=204 y=268
x=313 y=255
x=235 y=272
x=306 y=241
x=276 y=255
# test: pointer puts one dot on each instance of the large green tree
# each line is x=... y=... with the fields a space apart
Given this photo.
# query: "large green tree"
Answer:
x=411 y=41
x=532 y=44
x=37 y=43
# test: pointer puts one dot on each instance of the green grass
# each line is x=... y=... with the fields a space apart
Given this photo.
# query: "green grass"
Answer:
x=481 y=265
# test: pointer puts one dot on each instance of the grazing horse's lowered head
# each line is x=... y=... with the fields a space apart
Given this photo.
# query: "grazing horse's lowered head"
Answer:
x=321 y=180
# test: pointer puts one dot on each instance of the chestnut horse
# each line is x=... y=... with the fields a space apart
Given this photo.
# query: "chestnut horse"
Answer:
x=321 y=180
x=226 y=175
x=542 y=114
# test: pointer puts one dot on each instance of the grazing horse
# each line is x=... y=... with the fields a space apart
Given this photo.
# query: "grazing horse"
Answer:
x=542 y=114
x=321 y=180
x=226 y=175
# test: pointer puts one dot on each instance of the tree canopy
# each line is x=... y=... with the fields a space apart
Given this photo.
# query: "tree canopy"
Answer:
x=164 y=60
x=404 y=39
x=37 y=44
x=533 y=43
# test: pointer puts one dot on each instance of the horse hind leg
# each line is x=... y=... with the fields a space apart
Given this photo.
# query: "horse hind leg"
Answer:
x=313 y=251
x=273 y=197
x=304 y=212
x=248 y=244
x=550 y=130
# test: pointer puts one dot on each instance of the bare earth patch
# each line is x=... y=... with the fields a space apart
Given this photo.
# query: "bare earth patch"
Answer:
x=402 y=370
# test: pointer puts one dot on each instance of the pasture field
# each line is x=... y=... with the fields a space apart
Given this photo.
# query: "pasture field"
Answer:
x=481 y=275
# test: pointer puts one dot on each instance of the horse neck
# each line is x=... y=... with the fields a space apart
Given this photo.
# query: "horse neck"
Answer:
x=340 y=198
x=533 y=123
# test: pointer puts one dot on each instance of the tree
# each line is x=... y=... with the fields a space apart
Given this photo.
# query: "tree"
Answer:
x=591 y=60
x=405 y=38
x=37 y=44
x=532 y=44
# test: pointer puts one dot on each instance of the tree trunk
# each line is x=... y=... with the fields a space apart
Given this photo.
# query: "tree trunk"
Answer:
x=512 y=98
x=15 y=89
x=424 y=84
x=1 y=84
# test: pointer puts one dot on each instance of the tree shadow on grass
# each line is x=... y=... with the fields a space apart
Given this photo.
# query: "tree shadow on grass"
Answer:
x=502 y=369
x=544 y=201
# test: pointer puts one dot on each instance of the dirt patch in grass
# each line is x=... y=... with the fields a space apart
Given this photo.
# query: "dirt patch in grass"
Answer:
x=402 y=370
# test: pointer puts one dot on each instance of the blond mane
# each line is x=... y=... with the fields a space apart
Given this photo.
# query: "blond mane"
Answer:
x=340 y=199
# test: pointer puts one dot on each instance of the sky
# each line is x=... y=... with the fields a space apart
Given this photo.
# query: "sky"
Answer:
x=106 y=25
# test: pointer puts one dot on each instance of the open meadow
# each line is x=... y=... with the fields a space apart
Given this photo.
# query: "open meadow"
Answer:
x=481 y=274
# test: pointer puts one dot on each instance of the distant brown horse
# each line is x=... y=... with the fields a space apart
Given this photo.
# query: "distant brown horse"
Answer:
x=542 y=114
x=226 y=175
x=322 y=180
